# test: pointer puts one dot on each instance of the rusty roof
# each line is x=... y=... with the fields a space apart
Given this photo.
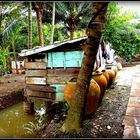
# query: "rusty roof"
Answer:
x=47 y=48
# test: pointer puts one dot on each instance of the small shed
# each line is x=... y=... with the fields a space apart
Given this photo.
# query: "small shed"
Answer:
x=49 y=68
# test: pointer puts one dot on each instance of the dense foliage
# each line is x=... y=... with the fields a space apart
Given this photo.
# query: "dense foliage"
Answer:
x=120 y=32
x=123 y=35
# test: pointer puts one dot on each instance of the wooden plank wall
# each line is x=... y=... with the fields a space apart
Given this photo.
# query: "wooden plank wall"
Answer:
x=36 y=81
x=61 y=75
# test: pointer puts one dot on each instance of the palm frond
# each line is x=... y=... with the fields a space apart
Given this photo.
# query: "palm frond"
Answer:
x=14 y=8
x=62 y=9
x=8 y=29
x=12 y=25
x=84 y=8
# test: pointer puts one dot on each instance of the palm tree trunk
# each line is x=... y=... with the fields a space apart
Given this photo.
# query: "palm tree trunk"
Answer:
x=15 y=57
x=0 y=17
x=39 y=13
x=53 y=22
x=71 y=33
x=0 y=24
x=10 y=64
x=74 y=119
x=30 y=25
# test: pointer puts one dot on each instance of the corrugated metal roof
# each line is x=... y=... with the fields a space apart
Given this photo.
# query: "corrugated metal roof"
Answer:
x=49 y=47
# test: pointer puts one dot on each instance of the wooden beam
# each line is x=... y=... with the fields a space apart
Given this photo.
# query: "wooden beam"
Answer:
x=40 y=94
x=36 y=73
x=36 y=80
x=40 y=98
x=61 y=71
x=46 y=88
x=26 y=60
x=35 y=65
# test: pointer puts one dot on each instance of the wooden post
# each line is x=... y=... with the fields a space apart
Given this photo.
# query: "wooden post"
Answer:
x=36 y=84
x=50 y=114
x=28 y=106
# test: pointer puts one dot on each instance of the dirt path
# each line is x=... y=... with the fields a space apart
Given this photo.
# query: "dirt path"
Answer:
x=107 y=121
x=11 y=89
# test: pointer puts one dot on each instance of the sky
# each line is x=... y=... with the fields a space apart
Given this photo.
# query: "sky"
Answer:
x=130 y=5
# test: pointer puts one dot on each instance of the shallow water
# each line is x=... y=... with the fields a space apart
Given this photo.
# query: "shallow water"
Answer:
x=13 y=119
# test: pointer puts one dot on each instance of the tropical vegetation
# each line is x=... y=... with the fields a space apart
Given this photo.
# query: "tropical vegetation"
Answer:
x=121 y=33
x=26 y=25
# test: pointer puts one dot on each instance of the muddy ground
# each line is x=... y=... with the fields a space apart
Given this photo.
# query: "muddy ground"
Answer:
x=107 y=120
x=11 y=89
x=105 y=123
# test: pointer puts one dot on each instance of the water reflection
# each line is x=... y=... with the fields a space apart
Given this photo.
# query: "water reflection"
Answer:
x=13 y=119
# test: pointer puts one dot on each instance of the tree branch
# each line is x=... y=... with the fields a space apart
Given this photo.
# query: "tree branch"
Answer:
x=97 y=13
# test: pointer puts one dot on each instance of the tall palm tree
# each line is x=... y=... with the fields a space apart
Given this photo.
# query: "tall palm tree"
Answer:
x=30 y=25
x=0 y=22
x=10 y=12
x=53 y=22
x=72 y=13
x=39 y=7
x=74 y=119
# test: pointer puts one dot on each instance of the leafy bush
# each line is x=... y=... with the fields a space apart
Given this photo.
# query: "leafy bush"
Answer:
x=120 y=32
x=38 y=123
x=58 y=33
x=4 y=53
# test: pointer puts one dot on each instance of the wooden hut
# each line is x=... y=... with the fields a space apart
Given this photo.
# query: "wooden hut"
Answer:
x=49 y=68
